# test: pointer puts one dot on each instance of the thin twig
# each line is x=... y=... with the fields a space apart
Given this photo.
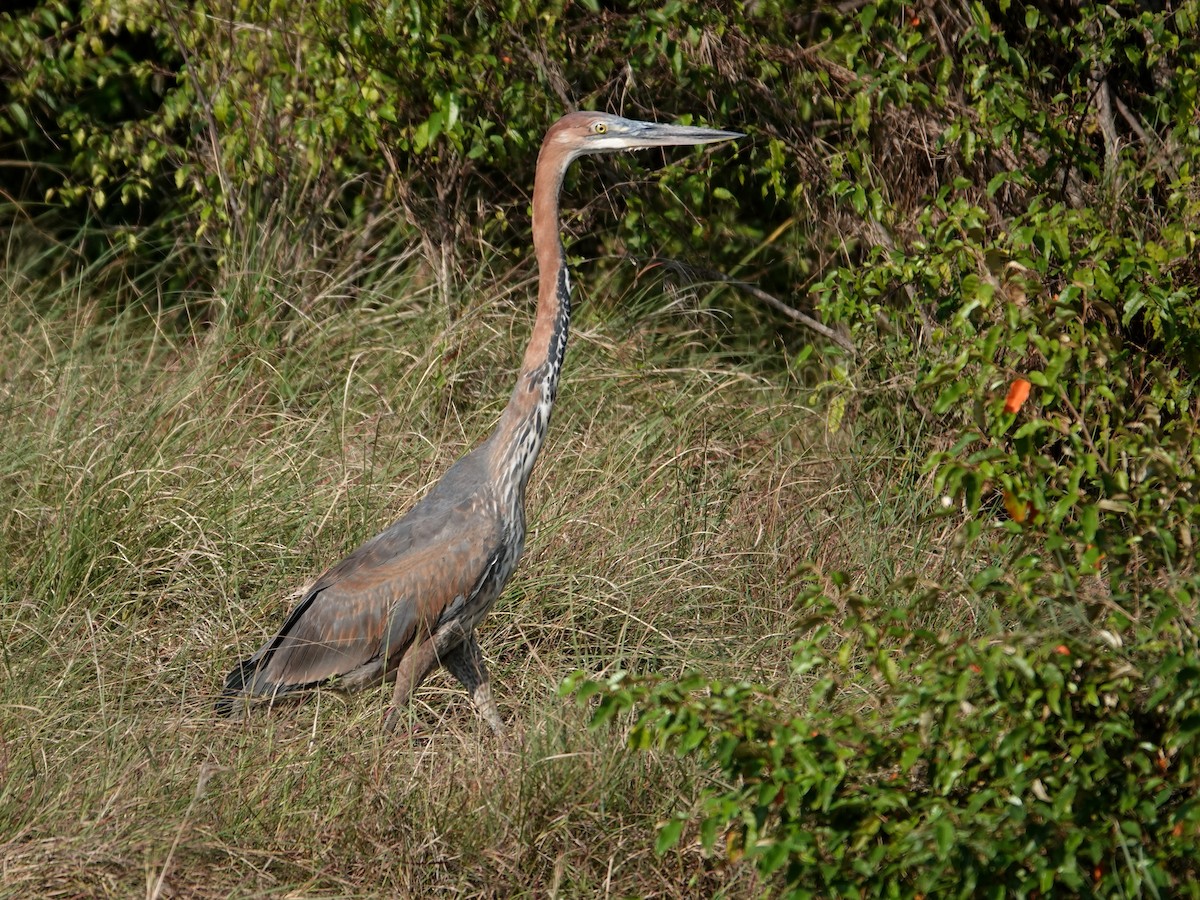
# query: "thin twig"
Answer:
x=759 y=294
x=232 y=208
x=1108 y=128
x=206 y=772
x=1152 y=141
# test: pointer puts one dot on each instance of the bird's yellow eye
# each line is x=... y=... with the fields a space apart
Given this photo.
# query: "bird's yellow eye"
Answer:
x=599 y=128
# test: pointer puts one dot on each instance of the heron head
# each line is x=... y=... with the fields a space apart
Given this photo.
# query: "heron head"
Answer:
x=582 y=133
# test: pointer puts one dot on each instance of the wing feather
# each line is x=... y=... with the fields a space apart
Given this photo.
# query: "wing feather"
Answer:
x=362 y=614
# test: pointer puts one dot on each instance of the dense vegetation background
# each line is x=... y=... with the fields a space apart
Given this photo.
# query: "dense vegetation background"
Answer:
x=869 y=508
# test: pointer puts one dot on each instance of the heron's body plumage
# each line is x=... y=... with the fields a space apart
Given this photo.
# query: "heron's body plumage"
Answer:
x=363 y=613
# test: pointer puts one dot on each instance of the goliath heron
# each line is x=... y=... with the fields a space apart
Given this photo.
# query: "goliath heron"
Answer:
x=409 y=599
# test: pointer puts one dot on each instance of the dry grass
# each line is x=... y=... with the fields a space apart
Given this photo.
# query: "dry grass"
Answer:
x=165 y=491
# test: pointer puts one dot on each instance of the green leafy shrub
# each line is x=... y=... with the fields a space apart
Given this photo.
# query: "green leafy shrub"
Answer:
x=1038 y=315
x=1013 y=763
x=194 y=121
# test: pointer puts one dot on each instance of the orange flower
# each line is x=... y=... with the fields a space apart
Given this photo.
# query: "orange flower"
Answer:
x=1018 y=393
x=1018 y=510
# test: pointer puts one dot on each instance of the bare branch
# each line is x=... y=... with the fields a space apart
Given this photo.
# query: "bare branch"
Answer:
x=759 y=294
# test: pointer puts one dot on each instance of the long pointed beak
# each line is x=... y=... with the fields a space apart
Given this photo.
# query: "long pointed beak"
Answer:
x=652 y=134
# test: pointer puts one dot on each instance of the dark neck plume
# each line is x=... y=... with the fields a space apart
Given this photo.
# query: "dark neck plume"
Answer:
x=517 y=440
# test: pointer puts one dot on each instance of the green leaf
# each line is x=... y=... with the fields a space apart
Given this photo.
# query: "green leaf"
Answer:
x=668 y=835
x=1089 y=522
x=950 y=395
x=943 y=832
x=17 y=111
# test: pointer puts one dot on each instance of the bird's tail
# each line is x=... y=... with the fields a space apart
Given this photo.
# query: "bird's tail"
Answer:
x=235 y=686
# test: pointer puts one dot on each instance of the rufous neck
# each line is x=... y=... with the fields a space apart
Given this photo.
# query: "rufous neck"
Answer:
x=553 y=282
x=518 y=437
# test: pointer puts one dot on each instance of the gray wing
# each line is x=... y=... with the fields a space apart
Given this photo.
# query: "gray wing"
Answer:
x=369 y=608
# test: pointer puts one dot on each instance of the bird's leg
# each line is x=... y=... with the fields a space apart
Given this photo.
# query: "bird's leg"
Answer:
x=418 y=662
x=465 y=662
